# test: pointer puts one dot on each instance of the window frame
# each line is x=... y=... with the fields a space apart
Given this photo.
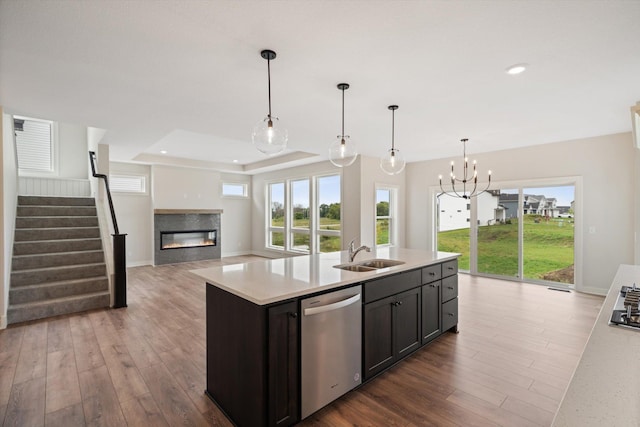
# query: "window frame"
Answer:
x=393 y=196
x=288 y=230
x=245 y=190
x=53 y=149
x=144 y=178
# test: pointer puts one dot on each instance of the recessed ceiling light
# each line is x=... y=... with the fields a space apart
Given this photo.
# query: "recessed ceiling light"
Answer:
x=235 y=161
x=516 y=69
x=163 y=151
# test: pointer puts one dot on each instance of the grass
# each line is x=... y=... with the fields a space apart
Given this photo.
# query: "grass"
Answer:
x=547 y=246
x=301 y=241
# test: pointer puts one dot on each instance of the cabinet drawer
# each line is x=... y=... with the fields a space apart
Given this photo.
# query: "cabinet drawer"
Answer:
x=391 y=285
x=449 y=314
x=450 y=268
x=449 y=288
x=431 y=273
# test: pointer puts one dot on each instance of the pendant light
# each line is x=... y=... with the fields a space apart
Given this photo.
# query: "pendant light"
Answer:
x=469 y=182
x=343 y=152
x=268 y=135
x=392 y=163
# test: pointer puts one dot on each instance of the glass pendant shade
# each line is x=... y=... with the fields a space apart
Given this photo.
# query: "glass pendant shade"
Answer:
x=343 y=152
x=392 y=163
x=269 y=136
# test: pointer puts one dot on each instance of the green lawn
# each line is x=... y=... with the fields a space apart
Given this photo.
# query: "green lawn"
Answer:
x=548 y=248
x=301 y=241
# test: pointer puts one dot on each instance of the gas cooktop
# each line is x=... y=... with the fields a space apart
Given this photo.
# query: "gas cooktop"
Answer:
x=626 y=312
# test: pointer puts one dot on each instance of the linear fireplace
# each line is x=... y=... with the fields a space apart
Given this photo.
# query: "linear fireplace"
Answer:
x=187 y=239
x=185 y=235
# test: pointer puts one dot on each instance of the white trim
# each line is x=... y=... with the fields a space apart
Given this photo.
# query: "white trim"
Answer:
x=3 y=322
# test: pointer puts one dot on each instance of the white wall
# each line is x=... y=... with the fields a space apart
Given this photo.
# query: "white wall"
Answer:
x=607 y=167
x=135 y=215
x=73 y=152
x=8 y=202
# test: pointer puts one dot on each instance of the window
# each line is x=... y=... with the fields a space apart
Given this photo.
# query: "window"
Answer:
x=276 y=215
x=34 y=145
x=329 y=214
x=234 y=189
x=128 y=183
x=384 y=216
x=304 y=215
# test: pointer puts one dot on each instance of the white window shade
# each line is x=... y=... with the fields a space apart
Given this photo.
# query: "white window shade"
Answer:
x=127 y=183
x=34 y=145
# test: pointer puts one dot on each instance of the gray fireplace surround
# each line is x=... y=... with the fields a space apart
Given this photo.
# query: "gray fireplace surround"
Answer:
x=183 y=220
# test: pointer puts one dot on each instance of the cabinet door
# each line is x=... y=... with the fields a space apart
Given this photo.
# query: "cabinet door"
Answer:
x=450 y=314
x=407 y=325
x=283 y=364
x=378 y=336
x=430 y=311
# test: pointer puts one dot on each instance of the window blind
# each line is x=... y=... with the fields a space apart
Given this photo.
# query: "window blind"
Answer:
x=127 y=183
x=34 y=146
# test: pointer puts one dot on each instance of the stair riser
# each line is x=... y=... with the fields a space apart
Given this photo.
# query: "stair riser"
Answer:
x=21 y=278
x=56 y=308
x=21 y=295
x=56 y=260
x=56 y=234
x=56 y=211
x=55 y=201
x=53 y=222
x=32 y=248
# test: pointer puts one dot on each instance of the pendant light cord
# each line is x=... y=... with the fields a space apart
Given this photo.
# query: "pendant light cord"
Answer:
x=342 y=136
x=269 y=84
x=393 y=130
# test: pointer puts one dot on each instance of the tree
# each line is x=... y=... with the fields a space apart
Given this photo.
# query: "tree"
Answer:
x=334 y=211
x=382 y=209
x=323 y=210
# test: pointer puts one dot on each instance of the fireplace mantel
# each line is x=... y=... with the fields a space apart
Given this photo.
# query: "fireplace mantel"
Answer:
x=186 y=211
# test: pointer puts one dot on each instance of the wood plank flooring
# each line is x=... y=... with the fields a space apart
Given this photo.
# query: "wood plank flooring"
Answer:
x=144 y=365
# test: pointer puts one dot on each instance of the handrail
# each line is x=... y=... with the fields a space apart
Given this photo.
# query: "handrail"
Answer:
x=92 y=157
x=119 y=246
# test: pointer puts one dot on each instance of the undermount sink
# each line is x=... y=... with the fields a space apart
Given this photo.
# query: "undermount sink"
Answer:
x=354 y=267
x=369 y=265
x=381 y=263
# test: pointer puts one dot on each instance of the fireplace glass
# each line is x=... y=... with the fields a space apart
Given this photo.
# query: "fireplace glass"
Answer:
x=187 y=239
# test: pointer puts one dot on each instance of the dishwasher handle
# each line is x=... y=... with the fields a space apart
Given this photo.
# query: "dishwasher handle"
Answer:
x=333 y=306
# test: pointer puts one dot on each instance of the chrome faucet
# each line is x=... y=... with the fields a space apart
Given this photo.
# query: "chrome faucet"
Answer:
x=353 y=251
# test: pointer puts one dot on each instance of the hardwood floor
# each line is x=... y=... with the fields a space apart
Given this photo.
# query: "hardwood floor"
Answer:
x=144 y=365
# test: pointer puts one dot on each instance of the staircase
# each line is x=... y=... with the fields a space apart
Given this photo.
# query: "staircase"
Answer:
x=58 y=263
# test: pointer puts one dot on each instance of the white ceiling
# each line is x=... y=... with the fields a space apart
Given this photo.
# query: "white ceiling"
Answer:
x=187 y=76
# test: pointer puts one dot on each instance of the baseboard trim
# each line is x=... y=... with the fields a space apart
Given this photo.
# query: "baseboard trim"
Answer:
x=3 y=321
x=237 y=253
x=594 y=291
x=139 y=263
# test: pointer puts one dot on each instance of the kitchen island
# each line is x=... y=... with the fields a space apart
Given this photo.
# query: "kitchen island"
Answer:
x=253 y=323
x=604 y=388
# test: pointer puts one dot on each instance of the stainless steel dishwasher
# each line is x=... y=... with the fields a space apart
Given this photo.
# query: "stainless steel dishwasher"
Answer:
x=331 y=337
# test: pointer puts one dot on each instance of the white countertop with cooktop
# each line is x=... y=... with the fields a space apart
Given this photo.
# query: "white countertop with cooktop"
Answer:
x=605 y=388
x=274 y=280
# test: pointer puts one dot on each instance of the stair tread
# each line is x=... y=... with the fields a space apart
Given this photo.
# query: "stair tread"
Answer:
x=61 y=282
x=79 y=239
x=60 y=267
x=55 y=300
x=55 y=228
x=56 y=254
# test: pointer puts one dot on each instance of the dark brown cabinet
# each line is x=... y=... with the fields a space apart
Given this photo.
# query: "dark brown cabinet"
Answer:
x=392 y=324
x=252 y=359
x=283 y=364
x=450 y=295
x=430 y=311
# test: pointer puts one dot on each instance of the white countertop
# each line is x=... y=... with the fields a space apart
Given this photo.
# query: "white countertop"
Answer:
x=269 y=281
x=604 y=389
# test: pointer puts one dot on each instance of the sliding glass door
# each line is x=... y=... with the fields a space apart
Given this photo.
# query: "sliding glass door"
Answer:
x=518 y=232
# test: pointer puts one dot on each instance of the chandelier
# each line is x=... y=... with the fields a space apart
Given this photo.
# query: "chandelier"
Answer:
x=469 y=181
